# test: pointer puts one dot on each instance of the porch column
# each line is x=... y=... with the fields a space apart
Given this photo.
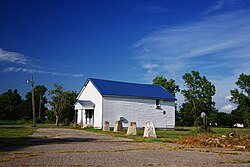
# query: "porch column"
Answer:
x=87 y=118
x=81 y=117
x=84 y=118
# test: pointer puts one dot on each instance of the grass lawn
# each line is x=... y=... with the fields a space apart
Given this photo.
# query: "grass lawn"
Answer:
x=14 y=122
x=162 y=135
x=190 y=136
x=16 y=132
x=19 y=136
x=169 y=135
x=15 y=136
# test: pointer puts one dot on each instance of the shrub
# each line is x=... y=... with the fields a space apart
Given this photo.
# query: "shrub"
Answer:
x=51 y=116
x=66 y=122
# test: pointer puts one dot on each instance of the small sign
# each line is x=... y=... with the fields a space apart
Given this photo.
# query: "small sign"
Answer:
x=203 y=115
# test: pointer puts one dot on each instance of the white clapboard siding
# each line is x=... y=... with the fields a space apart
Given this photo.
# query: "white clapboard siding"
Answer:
x=89 y=92
x=138 y=110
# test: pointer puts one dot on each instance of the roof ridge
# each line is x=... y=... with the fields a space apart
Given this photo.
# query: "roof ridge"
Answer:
x=121 y=82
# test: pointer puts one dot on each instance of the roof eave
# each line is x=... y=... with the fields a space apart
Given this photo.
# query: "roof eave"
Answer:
x=139 y=97
x=82 y=89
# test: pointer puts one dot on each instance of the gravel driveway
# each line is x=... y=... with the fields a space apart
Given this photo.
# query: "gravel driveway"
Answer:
x=67 y=147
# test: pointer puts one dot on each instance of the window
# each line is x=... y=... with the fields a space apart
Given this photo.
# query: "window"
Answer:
x=157 y=103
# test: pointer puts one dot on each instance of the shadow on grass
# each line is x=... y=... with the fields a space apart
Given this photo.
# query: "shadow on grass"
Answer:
x=14 y=137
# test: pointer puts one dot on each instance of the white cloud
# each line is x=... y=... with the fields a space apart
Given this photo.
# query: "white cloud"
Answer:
x=22 y=60
x=13 y=57
x=220 y=39
x=32 y=71
x=220 y=4
x=217 y=46
x=228 y=97
x=150 y=66
x=227 y=108
x=223 y=86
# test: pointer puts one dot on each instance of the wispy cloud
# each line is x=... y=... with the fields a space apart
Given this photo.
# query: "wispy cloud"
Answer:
x=217 y=46
x=25 y=64
x=221 y=4
x=13 y=57
x=34 y=71
x=150 y=67
x=214 y=41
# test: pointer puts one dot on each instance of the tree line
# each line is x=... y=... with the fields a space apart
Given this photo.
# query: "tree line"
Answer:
x=13 y=107
x=198 y=98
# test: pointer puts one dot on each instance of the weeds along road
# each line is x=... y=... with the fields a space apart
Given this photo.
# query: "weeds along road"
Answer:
x=67 y=147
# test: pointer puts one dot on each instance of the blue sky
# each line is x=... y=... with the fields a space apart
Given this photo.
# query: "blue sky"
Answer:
x=68 y=41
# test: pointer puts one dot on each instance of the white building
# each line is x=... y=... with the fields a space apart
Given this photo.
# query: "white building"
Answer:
x=104 y=100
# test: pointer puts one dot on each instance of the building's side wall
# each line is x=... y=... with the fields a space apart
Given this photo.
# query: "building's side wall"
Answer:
x=138 y=110
x=92 y=94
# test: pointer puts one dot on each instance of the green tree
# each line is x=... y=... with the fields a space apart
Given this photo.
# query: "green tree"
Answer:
x=10 y=103
x=62 y=102
x=40 y=102
x=241 y=97
x=197 y=98
x=221 y=119
x=169 y=85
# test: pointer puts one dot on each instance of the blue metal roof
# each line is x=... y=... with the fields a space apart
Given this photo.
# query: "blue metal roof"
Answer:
x=115 y=88
x=85 y=102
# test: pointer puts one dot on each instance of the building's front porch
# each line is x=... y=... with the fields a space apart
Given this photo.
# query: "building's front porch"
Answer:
x=85 y=113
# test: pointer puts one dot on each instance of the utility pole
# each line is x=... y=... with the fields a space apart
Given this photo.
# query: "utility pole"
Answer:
x=31 y=82
x=75 y=119
x=40 y=105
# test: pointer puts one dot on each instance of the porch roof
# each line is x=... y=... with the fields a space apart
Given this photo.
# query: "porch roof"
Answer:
x=85 y=104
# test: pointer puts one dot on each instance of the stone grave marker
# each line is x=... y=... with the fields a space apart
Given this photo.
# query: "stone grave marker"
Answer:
x=149 y=130
x=118 y=126
x=106 y=126
x=132 y=128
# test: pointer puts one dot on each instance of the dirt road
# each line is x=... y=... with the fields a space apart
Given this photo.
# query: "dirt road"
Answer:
x=67 y=147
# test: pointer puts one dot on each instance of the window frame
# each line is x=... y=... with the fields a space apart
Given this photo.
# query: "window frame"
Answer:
x=157 y=104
